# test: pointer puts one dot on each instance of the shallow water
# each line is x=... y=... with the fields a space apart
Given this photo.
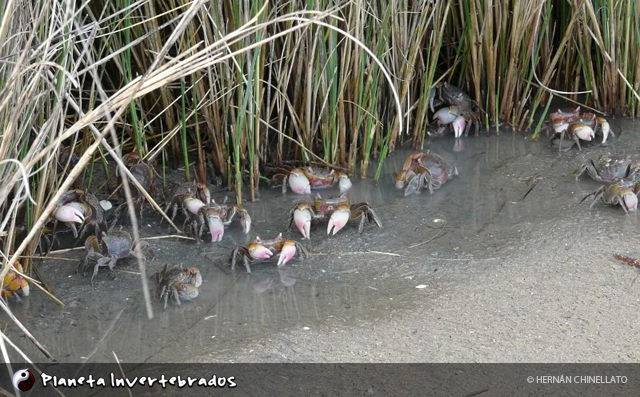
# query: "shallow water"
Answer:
x=506 y=186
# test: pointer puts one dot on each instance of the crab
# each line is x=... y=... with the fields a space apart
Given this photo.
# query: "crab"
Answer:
x=302 y=179
x=217 y=217
x=607 y=168
x=621 y=192
x=189 y=196
x=14 y=283
x=337 y=210
x=178 y=283
x=570 y=127
x=144 y=174
x=78 y=206
x=109 y=249
x=261 y=250
x=459 y=112
x=424 y=169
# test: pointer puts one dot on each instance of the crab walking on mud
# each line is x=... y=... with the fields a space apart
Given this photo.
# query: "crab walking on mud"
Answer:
x=78 y=206
x=459 y=112
x=622 y=192
x=109 y=249
x=178 y=283
x=570 y=127
x=217 y=217
x=424 y=169
x=607 y=168
x=302 y=179
x=262 y=250
x=338 y=210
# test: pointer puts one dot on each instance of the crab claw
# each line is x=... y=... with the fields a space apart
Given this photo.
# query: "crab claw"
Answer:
x=245 y=221
x=402 y=174
x=302 y=218
x=631 y=202
x=458 y=126
x=69 y=213
x=559 y=127
x=344 y=182
x=193 y=205
x=299 y=182
x=446 y=115
x=583 y=132
x=606 y=129
x=338 y=219
x=259 y=251
x=216 y=228
x=287 y=252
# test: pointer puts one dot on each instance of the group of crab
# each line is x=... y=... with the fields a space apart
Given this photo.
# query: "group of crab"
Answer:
x=337 y=210
x=570 y=126
x=623 y=176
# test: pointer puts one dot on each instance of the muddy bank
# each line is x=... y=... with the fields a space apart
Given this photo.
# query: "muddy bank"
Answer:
x=513 y=268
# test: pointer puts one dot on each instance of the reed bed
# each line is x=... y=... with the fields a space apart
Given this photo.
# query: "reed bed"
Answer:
x=225 y=88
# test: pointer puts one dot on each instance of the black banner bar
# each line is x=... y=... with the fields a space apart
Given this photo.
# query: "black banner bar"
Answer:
x=466 y=380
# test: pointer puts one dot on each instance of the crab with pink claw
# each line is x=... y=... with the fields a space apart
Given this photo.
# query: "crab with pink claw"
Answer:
x=459 y=113
x=459 y=120
x=217 y=217
x=188 y=196
x=337 y=210
x=302 y=179
x=622 y=193
x=571 y=126
x=78 y=207
x=262 y=250
x=424 y=169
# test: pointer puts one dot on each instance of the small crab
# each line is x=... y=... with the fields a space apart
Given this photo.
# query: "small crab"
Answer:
x=178 y=283
x=14 y=283
x=113 y=247
x=302 y=179
x=424 y=169
x=607 y=168
x=217 y=217
x=337 y=210
x=78 y=206
x=183 y=196
x=261 y=250
x=621 y=193
x=459 y=112
x=144 y=174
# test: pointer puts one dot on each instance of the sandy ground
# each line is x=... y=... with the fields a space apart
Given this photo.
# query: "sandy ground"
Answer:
x=506 y=274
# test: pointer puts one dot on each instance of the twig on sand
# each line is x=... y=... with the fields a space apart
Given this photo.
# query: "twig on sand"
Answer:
x=438 y=235
x=628 y=260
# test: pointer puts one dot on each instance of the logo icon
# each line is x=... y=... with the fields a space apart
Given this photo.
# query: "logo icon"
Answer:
x=23 y=380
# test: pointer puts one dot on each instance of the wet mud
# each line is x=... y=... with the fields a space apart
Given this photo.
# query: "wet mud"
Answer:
x=503 y=263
